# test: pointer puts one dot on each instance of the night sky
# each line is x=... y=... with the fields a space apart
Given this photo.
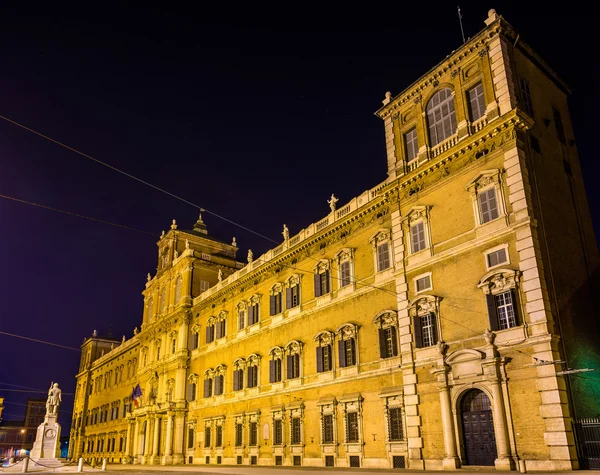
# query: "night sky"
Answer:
x=257 y=115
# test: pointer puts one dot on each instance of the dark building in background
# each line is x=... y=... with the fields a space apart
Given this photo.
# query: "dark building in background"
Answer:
x=17 y=437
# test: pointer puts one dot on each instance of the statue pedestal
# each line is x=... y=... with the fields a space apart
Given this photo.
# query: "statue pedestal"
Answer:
x=47 y=440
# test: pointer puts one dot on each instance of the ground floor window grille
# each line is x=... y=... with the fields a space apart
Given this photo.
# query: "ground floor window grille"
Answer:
x=329 y=461
x=328 y=429
x=297 y=460
x=239 y=460
x=278 y=460
x=398 y=461
x=395 y=423
x=253 y=460
x=296 y=432
x=277 y=432
x=352 y=427
x=354 y=461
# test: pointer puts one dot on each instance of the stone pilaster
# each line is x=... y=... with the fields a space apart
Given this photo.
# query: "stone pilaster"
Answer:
x=502 y=76
x=179 y=431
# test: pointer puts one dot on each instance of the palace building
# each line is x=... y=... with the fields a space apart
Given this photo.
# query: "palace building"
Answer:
x=421 y=325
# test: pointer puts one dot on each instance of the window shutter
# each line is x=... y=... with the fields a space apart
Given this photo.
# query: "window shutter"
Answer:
x=353 y=350
x=207 y=334
x=513 y=294
x=189 y=392
x=394 y=333
x=342 y=353
x=250 y=314
x=272 y=305
x=206 y=388
x=327 y=281
x=271 y=371
x=288 y=297
x=290 y=366
x=240 y=379
x=382 y=347
x=434 y=328
x=319 y=359
x=317 y=285
x=418 y=332
x=492 y=312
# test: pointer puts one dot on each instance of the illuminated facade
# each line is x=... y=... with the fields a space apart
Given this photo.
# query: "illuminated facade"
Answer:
x=402 y=329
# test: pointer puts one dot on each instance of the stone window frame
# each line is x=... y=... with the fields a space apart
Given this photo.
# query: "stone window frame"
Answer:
x=278 y=413
x=253 y=417
x=293 y=281
x=254 y=304
x=382 y=236
x=345 y=255
x=416 y=215
x=239 y=419
x=451 y=99
x=352 y=403
x=344 y=332
x=498 y=281
x=322 y=339
x=421 y=276
x=324 y=265
x=241 y=306
x=276 y=288
x=191 y=429
x=328 y=407
x=483 y=181
x=219 y=371
x=173 y=338
x=178 y=289
x=219 y=422
x=420 y=307
x=296 y=411
x=157 y=345
x=209 y=375
x=386 y=319
x=253 y=361
x=208 y=424
x=192 y=379
x=491 y=250
x=294 y=347
x=277 y=353
x=393 y=398
x=239 y=365
x=195 y=331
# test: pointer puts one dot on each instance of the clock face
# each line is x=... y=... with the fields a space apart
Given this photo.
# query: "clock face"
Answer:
x=50 y=434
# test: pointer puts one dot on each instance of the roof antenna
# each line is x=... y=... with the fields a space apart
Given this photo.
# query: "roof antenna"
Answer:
x=462 y=32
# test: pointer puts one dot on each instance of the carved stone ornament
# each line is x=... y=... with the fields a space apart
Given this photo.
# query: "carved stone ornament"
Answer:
x=483 y=179
x=442 y=348
x=489 y=337
x=294 y=348
x=386 y=319
x=187 y=244
x=344 y=255
x=240 y=363
x=276 y=353
x=417 y=99
x=324 y=338
x=253 y=360
x=347 y=331
x=499 y=281
x=380 y=236
x=424 y=305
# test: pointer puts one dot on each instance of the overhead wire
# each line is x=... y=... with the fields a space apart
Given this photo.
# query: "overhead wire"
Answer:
x=37 y=340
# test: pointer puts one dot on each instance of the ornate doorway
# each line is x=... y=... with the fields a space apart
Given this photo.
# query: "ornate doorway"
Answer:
x=478 y=428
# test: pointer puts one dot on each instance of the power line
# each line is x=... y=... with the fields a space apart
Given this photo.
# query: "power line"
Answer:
x=16 y=385
x=39 y=341
x=30 y=391
x=18 y=200
x=129 y=175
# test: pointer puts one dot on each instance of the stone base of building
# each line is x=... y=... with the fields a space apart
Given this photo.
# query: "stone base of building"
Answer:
x=451 y=463
x=504 y=464
x=166 y=460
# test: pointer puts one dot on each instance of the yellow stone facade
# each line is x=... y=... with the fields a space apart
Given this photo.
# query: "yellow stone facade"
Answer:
x=401 y=330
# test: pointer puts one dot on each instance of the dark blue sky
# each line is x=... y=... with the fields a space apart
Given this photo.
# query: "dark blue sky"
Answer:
x=255 y=115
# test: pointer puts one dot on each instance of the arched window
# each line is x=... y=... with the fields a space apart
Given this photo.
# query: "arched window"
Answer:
x=441 y=118
x=178 y=283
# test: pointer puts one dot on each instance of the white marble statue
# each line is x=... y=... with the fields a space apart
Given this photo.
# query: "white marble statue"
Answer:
x=174 y=225
x=187 y=244
x=234 y=242
x=220 y=275
x=149 y=277
x=250 y=256
x=286 y=233
x=332 y=202
x=54 y=400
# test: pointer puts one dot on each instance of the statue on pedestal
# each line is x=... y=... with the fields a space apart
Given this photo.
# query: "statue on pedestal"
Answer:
x=54 y=400
x=332 y=202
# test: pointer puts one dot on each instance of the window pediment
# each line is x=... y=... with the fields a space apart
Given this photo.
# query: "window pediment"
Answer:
x=222 y=315
x=386 y=319
x=294 y=347
x=293 y=280
x=381 y=235
x=255 y=299
x=425 y=304
x=193 y=378
x=276 y=289
x=499 y=280
x=239 y=363
x=209 y=373
x=483 y=179
x=322 y=266
x=347 y=330
x=417 y=213
x=276 y=352
x=241 y=306
x=221 y=369
x=253 y=359
x=324 y=337
x=345 y=254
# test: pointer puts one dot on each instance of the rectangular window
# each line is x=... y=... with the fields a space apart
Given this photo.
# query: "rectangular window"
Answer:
x=296 y=431
x=327 y=422
x=506 y=310
x=277 y=432
x=347 y=352
x=219 y=436
x=208 y=387
x=293 y=366
x=476 y=102
x=275 y=370
x=219 y=384
x=496 y=258
x=352 y=427
x=526 y=98
x=388 y=344
x=417 y=235
x=207 y=434
x=191 y=391
x=345 y=278
x=383 y=256
x=323 y=358
x=190 y=438
x=253 y=314
x=221 y=325
x=173 y=347
x=252 y=376
x=276 y=303
x=210 y=333
x=239 y=434
x=238 y=380
x=411 y=145
x=204 y=285
x=423 y=283
x=253 y=439
x=488 y=205
x=322 y=283
x=428 y=329
x=241 y=320
x=558 y=125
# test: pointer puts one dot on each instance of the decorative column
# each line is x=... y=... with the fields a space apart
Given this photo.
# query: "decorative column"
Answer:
x=167 y=458
x=147 y=440
x=186 y=288
x=504 y=461
x=178 y=443
x=451 y=460
x=127 y=443
x=136 y=441
x=156 y=428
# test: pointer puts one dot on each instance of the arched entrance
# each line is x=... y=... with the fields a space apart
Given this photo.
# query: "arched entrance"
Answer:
x=478 y=428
